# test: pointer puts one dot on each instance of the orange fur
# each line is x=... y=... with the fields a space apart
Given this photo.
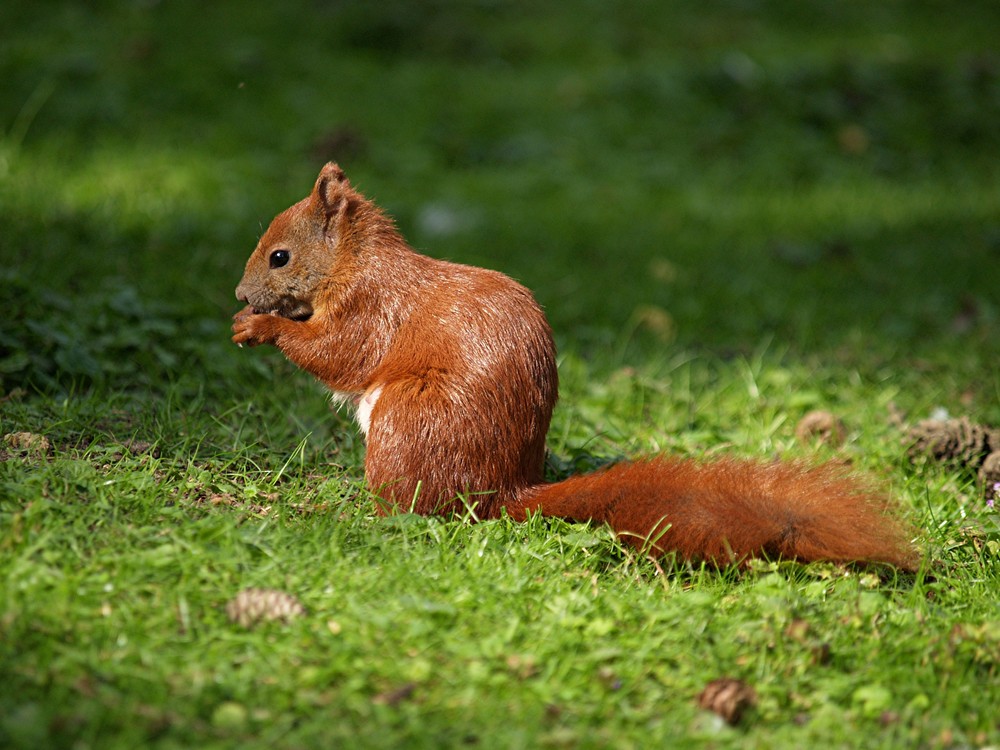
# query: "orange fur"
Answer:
x=728 y=510
x=455 y=369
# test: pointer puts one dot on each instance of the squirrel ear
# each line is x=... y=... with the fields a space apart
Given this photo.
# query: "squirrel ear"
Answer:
x=329 y=185
x=331 y=171
x=330 y=194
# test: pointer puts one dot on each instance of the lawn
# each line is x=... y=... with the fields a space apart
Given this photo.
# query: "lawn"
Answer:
x=733 y=214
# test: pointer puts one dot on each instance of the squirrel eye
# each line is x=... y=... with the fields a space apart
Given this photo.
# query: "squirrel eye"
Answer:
x=279 y=258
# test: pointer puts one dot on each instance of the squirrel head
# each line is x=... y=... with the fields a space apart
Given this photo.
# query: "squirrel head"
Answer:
x=298 y=254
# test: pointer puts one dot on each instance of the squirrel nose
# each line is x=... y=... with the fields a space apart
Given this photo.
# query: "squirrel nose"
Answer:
x=240 y=294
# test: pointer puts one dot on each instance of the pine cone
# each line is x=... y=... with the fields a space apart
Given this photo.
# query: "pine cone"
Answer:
x=28 y=443
x=821 y=425
x=727 y=697
x=959 y=442
x=252 y=606
x=989 y=476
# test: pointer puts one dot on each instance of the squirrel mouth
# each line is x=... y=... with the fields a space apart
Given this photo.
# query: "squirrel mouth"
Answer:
x=292 y=309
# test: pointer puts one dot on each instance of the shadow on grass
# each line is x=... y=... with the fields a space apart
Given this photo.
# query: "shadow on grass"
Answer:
x=701 y=179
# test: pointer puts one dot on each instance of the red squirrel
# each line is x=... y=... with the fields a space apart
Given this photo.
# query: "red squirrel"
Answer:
x=452 y=370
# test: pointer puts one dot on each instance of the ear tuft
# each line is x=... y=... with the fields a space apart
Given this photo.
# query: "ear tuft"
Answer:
x=329 y=193
x=332 y=171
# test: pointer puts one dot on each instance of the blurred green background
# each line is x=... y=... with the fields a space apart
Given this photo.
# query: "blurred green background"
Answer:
x=822 y=178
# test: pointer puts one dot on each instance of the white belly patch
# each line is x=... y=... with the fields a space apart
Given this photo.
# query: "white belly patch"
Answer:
x=362 y=404
x=365 y=406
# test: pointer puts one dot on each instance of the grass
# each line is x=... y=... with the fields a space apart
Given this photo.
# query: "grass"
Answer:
x=732 y=214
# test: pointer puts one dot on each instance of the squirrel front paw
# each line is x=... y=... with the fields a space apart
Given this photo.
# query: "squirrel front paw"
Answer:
x=253 y=329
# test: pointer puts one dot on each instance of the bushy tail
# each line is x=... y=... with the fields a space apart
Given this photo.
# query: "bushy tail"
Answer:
x=728 y=510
